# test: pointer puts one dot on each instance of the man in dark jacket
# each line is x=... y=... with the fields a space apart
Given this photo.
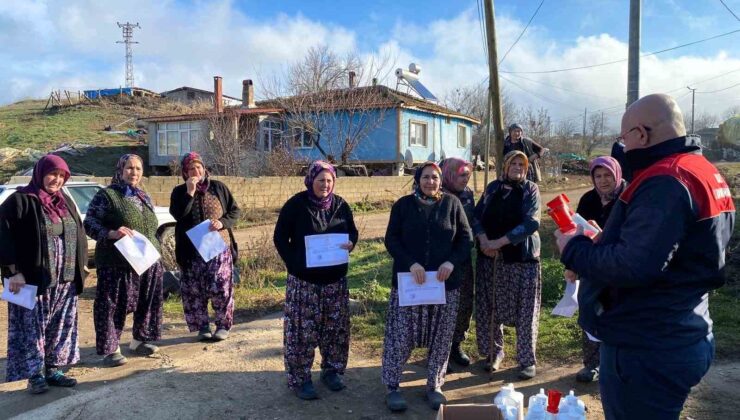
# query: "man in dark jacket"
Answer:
x=645 y=282
x=516 y=141
x=618 y=154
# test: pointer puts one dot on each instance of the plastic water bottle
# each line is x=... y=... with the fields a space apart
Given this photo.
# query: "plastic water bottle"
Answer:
x=510 y=402
x=571 y=408
x=536 y=409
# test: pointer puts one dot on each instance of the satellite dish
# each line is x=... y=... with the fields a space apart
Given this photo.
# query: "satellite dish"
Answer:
x=408 y=158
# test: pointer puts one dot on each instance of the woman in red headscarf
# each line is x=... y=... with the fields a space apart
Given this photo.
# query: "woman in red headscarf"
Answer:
x=316 y=298
x=43 y=244
x=197 y=200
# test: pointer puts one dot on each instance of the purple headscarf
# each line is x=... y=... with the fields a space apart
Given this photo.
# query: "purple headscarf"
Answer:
x=118 y=184
x=314 y=170
x=451 y=169
x=54 y=205
x=611 y=165
x=188 y=159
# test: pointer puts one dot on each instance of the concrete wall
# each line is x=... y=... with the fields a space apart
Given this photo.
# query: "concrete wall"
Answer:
x=272 y=192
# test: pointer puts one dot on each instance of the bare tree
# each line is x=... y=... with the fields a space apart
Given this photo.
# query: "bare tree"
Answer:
x=473 y=101
x=229 y=143
x=536 y=123
x=325 y=106
x=701 y=121
x=731 y=112
x=594 y=135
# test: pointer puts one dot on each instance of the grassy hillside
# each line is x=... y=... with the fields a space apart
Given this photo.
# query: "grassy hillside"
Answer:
x=25 y=125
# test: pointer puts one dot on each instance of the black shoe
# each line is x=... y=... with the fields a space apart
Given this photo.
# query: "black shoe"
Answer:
x=56 y=377
x=332 y=380
x=587 y=375
x=395 y=401
x=37 y=384
x=307 y=391
x=435 y=399
x=458 y=356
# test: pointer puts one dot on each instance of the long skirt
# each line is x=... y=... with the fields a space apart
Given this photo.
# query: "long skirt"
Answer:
x=120 y=292
x=315 y=316
x=465 y=307
x=45 y=336
x=517 y=289
x=484 y=269
x=203 y=281
x=423 y=326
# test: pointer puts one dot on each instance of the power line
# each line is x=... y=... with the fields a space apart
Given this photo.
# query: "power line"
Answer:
x=535 y=94
x=622 y=60
x=522 y=33
x=728 y=9
x=720 y=90
x=705 y=80
x=561 y=88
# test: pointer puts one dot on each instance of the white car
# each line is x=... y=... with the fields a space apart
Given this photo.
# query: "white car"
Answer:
x=83 y=192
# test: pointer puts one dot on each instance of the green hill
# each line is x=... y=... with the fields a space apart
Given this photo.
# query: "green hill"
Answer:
x=27 y=130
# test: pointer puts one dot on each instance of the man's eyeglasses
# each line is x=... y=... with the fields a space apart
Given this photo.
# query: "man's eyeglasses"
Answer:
x=621 y=136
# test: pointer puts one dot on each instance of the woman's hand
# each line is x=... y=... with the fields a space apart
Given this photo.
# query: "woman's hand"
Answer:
x=570 y=276
x=444 y=271
x=16 y=283
x=120 y=233
x=191 y=184
x=418 y=272
x=349 y=246
x=215 y=225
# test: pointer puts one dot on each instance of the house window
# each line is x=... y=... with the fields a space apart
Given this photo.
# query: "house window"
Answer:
x=302 y=139
x=271 y=132
x=176 y=138
x=462 y=136
x=417 y=133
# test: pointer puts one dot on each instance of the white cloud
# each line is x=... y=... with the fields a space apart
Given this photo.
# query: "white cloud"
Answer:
x=50 y=45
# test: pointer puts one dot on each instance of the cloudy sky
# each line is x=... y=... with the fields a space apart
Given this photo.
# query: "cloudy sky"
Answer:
x=70 y=44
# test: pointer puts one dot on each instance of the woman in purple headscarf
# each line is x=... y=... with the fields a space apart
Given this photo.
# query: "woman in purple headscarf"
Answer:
x=199 y=199
x=43 y=244
x=113 y=213
x=316 y=297
x=596 y=205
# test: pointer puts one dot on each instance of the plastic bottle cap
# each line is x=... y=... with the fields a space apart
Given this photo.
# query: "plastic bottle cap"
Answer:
x=553 y=400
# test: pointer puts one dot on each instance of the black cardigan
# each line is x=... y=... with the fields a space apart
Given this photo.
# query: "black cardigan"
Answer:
x=22 y=241
x=297 y=219
x=413 y=238
x=181 y=208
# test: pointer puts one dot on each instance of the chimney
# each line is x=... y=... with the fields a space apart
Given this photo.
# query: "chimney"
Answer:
x=248 y=94
x=218 y=95
x=352 y=76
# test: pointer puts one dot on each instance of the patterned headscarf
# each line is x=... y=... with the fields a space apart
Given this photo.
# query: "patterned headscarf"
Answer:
x=188 y=159
x=611 y=165
x=507 y=164
x=417 y=184
x=128 y=190
x=53 y=204
x=314 y=169
x=451 y=169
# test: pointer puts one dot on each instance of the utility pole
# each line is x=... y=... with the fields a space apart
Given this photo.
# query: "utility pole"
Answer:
x=633 y=65
x=495 y=116
x=693 y=95
x=585 y=111
x=128 y=35
x=602 y=124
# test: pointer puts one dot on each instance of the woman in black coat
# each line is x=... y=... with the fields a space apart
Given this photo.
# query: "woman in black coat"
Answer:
x=316 y=297
x=596 y=205
x=43 y=244
x=427 y=231
x=197 y=200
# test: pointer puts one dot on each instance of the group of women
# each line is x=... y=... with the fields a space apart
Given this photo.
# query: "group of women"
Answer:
x=433 y=229
x=43 y=243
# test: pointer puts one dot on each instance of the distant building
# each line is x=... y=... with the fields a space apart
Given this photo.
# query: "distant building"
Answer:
x=122 y=91
x=190 y=95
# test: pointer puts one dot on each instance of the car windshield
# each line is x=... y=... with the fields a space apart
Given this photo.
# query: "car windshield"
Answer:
x=82 y=195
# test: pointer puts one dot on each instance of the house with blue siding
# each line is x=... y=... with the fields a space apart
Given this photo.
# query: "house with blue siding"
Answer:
x=374 y=126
